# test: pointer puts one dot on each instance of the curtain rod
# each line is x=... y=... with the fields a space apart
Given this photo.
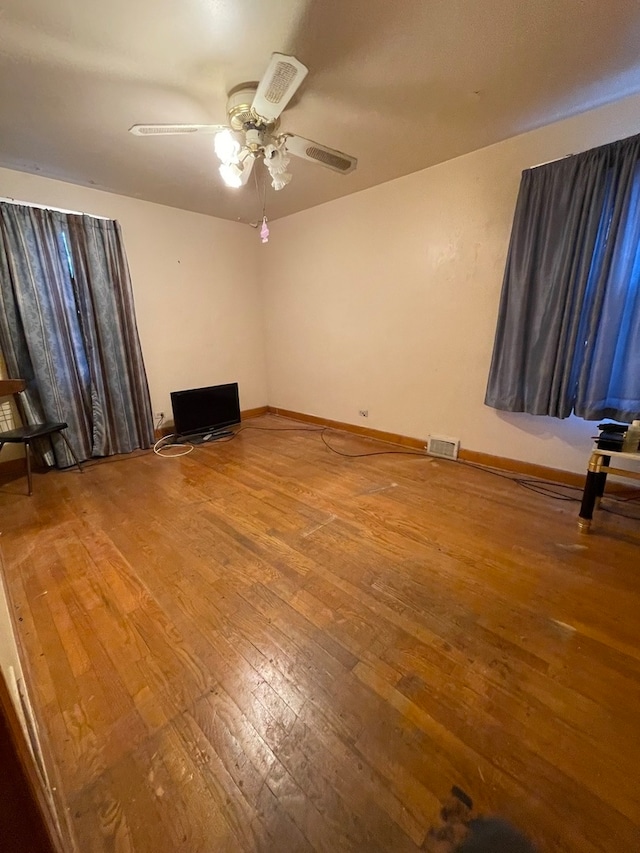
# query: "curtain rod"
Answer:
x=555 y=160
x=633 y=137
x=49 y=207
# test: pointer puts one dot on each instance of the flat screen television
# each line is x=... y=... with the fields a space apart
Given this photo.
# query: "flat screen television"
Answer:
x=206 y=411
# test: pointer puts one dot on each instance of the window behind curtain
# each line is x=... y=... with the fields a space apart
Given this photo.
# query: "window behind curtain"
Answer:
x=67 y=326
x=568 y=335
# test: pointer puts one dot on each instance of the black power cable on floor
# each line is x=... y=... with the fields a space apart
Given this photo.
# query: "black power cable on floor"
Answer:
x=322 y=431
x=549 y=489
x=546 y=488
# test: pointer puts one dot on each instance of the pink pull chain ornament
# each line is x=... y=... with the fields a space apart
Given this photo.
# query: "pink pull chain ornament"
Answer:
x=264 y=231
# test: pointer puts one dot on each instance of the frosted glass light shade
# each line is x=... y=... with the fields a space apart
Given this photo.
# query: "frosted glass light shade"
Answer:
x=226 y=146
x=231 y=175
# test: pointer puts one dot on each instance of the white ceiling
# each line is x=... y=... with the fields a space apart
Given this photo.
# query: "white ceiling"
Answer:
x=400 y=84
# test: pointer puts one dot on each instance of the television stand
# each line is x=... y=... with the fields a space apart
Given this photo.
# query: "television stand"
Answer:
x=207 y=436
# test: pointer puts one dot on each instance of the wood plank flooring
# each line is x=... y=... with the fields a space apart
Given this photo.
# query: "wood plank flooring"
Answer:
x=264 y=646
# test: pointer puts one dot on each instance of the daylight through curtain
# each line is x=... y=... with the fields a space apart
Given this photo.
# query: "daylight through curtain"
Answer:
x=568 y=333
x=67 y=326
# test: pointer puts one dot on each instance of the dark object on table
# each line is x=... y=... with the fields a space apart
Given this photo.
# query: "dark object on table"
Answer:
x=611 y=436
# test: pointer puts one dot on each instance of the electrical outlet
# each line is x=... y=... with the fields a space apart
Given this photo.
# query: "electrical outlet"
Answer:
x=364 y=413
x=159 y=416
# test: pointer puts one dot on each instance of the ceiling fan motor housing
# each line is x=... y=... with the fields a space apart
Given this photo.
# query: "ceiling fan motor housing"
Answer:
x=240 y=112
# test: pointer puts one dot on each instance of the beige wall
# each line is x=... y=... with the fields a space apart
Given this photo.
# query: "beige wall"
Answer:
x=195 y=287
x=386 y=300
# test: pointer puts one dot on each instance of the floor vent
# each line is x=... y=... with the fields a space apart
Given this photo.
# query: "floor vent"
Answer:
x=445 y=448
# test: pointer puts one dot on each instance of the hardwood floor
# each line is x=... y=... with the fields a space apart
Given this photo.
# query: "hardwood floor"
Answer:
x=264 y=646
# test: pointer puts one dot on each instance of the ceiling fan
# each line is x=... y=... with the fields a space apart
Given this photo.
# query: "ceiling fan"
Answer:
x=253 y=113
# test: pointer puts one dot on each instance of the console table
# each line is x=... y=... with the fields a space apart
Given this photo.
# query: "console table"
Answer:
x=599 y=467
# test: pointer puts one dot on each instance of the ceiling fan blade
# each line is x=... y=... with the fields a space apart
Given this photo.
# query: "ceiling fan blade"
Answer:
x=329 y=157
x=278 y=85
x=174 y=129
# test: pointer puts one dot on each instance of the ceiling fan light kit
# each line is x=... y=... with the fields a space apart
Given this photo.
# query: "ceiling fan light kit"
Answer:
x=276 y=161
x=236 y=162
x=231 y=174
x=226 y=146
x=253 y=115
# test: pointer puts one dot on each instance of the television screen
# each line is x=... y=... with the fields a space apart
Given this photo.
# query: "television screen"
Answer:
x=197 y=411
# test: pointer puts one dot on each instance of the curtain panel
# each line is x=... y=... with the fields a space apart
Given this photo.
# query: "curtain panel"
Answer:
x=120 y=404
x=568 y=331
x=67 y=326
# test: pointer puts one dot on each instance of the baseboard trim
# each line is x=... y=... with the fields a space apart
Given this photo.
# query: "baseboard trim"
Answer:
x=366 y=432
x=254 y=413
x=502 y=463
x=530 y=469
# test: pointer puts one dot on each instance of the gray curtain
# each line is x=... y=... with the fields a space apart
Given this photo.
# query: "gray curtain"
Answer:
x=67 y=326
x=568 y=333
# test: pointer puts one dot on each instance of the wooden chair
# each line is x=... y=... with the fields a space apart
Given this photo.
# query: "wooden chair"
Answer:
x=26 y=434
